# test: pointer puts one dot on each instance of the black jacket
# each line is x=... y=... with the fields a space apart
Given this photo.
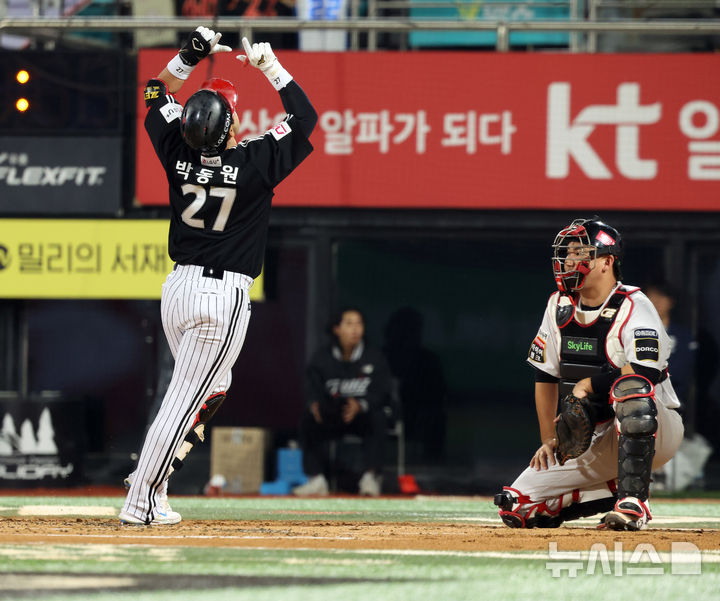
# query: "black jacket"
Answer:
x=330 y=380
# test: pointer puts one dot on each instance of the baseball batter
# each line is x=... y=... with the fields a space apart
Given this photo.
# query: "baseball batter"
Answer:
x=603 y=350
x=220 y=196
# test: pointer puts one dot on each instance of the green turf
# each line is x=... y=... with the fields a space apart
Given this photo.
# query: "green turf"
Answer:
x=422 y=509
x=334 y=575
x=320 y=575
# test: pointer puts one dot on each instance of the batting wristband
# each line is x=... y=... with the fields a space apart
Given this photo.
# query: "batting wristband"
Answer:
x=278 y=76
x=178 y=68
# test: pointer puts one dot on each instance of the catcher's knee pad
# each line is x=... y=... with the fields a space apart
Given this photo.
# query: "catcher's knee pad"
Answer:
x=633 y=398
x=517 y=510
x=197 y=430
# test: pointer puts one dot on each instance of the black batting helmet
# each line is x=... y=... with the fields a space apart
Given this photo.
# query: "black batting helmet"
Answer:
x=595 y=239
x=206 y=121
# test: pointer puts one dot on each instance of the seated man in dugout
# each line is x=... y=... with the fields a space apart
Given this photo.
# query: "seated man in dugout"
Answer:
x=347 y=383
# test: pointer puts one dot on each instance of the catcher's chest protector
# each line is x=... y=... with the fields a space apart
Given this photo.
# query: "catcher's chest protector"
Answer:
x=582 y=346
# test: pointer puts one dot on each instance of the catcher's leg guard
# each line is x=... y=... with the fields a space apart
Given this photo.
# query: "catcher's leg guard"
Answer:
x=636 y=422
x=517 y=510
x=197 y=431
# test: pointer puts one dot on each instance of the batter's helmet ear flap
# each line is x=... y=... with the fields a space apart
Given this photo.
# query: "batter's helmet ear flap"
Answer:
x=223 y=87
x=206 y=121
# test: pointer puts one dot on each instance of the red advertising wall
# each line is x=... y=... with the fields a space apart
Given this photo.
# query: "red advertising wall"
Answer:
x=483 y=130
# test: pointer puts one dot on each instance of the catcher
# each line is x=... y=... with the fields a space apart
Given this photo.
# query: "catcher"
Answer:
x=602 y=349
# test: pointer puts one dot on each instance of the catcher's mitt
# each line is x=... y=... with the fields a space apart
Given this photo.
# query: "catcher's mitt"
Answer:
x=574 y=429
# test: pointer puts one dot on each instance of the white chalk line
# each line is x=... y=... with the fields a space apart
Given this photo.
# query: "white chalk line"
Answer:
x=708 y=556
x=197 y=536
x=56 y=510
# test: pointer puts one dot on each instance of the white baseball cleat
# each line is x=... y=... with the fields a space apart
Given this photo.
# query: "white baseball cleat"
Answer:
x=370 y=484
x=164 y=516
x=629 y=514
x=315 y=486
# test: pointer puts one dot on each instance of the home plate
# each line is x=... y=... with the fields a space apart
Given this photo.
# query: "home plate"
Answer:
x=90 y=510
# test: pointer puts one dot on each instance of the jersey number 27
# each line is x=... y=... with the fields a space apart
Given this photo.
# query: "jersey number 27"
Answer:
x=226 y=196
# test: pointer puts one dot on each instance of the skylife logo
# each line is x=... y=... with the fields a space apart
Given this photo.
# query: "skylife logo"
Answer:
x=568 y=138
x=579 y=347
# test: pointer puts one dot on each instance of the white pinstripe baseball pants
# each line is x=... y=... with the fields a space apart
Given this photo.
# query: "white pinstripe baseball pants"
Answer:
x=205 y=321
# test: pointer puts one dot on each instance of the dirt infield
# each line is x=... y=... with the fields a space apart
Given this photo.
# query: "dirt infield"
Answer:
x=322 y=534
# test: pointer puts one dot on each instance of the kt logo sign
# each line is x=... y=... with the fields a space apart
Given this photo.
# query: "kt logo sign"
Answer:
x=568 y=138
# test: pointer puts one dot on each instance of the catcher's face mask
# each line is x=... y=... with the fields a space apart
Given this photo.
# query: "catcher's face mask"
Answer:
x=573 y=257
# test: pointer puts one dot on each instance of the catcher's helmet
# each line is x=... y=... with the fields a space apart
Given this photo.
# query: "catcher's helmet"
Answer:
x=577 y=245
x=206 y=121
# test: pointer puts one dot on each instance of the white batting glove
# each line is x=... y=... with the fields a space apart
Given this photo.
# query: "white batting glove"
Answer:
x=202 y=42
x=214 y=46
x=261 y=56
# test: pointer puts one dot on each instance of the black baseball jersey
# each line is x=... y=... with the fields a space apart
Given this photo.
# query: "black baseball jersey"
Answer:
x=221 y=204
x=330 y=379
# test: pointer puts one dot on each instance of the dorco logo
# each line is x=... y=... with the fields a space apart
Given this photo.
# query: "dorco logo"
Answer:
x=568 y=138
x=652 y=349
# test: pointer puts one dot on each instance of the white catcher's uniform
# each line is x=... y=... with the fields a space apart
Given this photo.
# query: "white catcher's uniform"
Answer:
x=589 y=474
